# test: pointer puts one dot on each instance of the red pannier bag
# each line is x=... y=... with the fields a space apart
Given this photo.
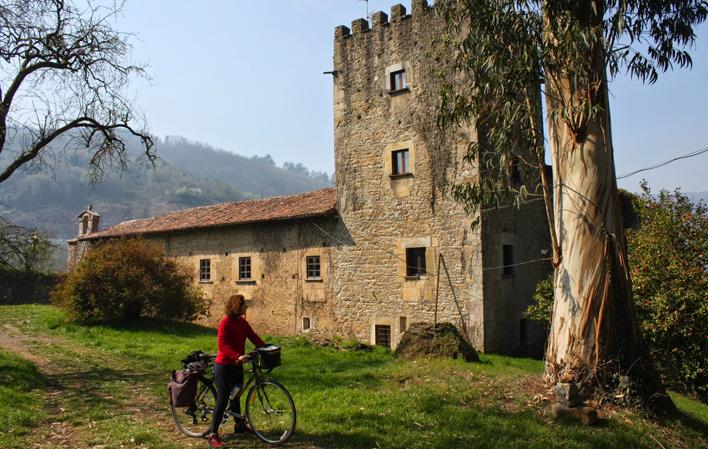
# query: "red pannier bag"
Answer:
x=183 y=387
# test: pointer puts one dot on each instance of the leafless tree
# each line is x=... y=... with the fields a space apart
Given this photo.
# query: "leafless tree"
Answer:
x=64 y=71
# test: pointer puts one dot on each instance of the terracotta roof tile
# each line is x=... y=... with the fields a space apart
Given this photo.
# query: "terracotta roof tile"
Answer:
x=309 y=204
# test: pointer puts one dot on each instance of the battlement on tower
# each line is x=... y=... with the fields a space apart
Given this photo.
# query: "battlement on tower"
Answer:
x=380 y=21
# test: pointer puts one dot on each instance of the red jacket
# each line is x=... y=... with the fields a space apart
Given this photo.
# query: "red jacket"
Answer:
x=231 y=340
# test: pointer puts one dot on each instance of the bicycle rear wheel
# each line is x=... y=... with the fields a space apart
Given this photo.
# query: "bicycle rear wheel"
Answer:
x=196 y=419
x=270 y=412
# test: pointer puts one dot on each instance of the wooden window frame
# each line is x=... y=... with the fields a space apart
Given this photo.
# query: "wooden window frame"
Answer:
x=418 y=267
x=245 y=267
x=405 y=168
x=398 y=80
x=313 y=268
x=204 y=270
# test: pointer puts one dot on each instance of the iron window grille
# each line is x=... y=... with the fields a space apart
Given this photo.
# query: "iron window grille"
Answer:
x=383 y=335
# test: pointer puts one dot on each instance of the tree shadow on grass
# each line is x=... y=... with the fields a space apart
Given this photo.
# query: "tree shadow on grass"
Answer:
x=99 y=389
x=163 y=327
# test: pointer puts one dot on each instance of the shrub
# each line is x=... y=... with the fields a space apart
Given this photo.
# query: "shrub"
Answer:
x=542 y=307
x=668 y=256
x=124 y=279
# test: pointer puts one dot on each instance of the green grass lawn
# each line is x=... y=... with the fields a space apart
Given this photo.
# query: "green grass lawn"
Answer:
x=345 y=399
x=21 y=406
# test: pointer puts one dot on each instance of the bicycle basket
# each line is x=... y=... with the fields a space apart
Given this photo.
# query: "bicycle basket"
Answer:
x=269 y=357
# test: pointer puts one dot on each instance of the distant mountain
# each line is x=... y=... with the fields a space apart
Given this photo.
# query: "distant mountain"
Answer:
x=255 y=176
x=697 y=196
x=187 y=175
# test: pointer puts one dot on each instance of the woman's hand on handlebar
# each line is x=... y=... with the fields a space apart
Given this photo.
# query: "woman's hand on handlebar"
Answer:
x=243 y=359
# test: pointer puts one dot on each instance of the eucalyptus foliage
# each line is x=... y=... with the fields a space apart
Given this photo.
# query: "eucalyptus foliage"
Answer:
x=507 y=48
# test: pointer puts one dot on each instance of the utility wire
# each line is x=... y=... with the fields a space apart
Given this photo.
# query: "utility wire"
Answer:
x=661 y=164
x=541 y=259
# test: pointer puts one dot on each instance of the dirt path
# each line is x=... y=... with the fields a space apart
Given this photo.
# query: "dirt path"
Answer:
x=75 y=376
x=89 y=389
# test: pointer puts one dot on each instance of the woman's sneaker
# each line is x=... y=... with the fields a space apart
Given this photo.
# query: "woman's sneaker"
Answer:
x=214 y=440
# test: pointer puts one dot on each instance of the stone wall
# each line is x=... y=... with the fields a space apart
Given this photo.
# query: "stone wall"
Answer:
x=386 y=214
x=279 y=294
x=507 y=295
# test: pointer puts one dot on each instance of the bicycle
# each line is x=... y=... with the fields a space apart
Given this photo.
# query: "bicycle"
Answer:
x=270 y=410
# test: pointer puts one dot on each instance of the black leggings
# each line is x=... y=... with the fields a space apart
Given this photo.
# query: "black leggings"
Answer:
x=226 y=377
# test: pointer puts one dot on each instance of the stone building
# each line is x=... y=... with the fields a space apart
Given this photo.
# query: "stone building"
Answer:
x=388 y=247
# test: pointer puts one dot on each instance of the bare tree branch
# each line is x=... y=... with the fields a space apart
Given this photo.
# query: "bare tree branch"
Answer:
x=66 y=71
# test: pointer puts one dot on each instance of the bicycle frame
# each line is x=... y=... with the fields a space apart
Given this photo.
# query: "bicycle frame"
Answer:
x=255 y=375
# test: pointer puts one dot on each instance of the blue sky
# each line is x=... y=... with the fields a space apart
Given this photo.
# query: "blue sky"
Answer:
x=246 y=76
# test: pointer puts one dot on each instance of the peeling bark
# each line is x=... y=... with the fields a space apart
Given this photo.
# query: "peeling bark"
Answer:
x=594 y=339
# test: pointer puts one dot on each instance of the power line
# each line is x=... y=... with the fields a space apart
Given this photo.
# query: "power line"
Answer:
x=661 y=164
x=542 y=259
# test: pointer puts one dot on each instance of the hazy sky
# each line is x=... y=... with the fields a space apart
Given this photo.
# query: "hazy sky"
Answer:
x=246 y=76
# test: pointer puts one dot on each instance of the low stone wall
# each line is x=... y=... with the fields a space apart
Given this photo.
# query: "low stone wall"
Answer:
x=19 y=287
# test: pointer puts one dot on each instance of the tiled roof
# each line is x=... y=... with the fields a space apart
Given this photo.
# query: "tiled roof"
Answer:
x=309 y=204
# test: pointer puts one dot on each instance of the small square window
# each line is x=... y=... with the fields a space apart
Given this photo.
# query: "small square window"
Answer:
x=398 y=81
x=415 y=262
x=244 y=268
x=400 y=162
x=305 y=323
x=382 y=335
x=204 y=270
x=508 y=261
x=313 y=267
x=402 y=324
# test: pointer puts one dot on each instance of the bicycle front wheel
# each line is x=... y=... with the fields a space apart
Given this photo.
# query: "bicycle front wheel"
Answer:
x=270 y=412
x=195 y=420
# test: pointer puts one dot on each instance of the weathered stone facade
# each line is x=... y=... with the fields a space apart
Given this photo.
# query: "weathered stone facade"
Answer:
x=385 y=213
x=399 y=250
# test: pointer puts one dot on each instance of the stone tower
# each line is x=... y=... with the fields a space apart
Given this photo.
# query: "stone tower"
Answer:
x=415 y=255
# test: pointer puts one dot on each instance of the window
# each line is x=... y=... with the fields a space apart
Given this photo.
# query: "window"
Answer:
x=415 y=262
x=524 y=332
x=244 y=268
x=313 y=267
x=398 y=81
x=402 y=324
x=382 y=335
x=306 y=323
x=515 y=173
x=400 y=162
x=508 y=262
x=204 y=270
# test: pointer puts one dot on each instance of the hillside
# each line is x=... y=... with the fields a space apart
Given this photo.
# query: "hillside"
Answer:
x=187 y=175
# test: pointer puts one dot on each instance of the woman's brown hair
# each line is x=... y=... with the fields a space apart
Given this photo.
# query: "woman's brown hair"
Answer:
x=233 y=305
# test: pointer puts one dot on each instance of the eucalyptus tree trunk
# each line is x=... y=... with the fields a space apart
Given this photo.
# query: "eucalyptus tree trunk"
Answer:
x=594 y=339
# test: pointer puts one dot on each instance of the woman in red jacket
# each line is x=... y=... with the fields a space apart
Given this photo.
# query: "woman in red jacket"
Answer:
x=228 y=366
